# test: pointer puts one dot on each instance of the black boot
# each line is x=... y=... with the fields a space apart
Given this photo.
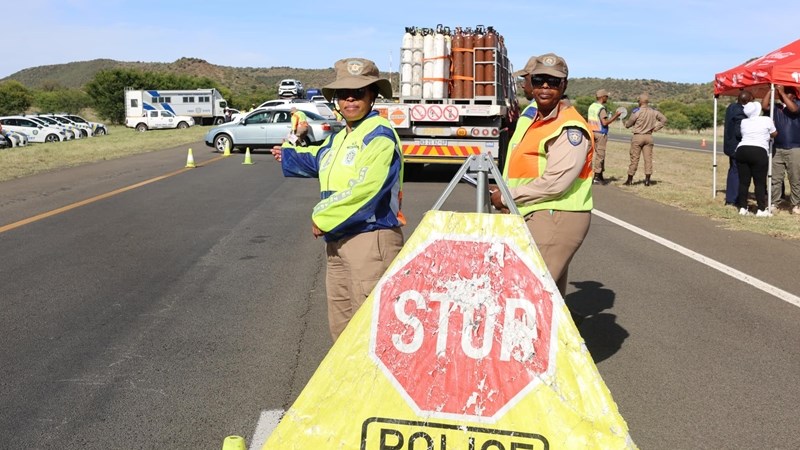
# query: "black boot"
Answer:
x=598 y=178
x=629 y=181
x=647 y=180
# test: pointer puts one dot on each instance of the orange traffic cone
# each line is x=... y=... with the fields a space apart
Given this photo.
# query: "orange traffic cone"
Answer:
x=190 y=160
x=703 y=143
x=247 y=159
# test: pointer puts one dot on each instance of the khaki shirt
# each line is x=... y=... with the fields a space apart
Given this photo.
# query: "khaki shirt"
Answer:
x=646 y=120
x=564 y=164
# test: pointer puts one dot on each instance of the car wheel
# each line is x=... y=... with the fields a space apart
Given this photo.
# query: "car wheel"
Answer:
x=183 y=125
x=141 y=127
x=221 y=141
x=52 y=138
x=100 y=132
x=84 y=134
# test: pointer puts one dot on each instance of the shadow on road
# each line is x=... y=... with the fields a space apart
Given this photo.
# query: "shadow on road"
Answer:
x=599 y=329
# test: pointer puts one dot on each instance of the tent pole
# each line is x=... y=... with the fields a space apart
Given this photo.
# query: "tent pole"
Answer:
x=771 y=147
x=714 y=158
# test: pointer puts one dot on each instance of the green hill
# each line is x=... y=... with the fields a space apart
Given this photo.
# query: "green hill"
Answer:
x=245 y=80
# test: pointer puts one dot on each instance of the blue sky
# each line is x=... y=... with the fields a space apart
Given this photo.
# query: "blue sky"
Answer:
x=674 y=40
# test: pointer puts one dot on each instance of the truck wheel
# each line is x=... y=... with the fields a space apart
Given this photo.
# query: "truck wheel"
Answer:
x=52 y=138
x=141 y=127
x=183 y=125
x=221 y=141
x=219 y=121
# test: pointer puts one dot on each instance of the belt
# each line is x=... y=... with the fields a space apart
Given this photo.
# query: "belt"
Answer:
x=642 y=133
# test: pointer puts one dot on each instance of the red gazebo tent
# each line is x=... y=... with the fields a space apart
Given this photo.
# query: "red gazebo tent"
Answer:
x=759 y=76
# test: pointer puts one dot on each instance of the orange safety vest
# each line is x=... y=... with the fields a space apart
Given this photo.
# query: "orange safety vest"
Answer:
x=528 y=161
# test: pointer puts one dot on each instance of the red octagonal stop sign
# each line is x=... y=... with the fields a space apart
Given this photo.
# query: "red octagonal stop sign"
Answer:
x=463 y=328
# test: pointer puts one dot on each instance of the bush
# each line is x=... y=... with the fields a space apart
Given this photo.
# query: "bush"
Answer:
x=14 y=98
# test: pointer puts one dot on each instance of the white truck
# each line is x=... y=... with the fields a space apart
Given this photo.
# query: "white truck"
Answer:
x=155 y=120
x=205 y=106
x=444 y=115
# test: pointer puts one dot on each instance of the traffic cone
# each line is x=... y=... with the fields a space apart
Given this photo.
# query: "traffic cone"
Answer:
x=227 y=151
x=190 y=160
x=247 y=159
x=703 y=143
x=233 y=443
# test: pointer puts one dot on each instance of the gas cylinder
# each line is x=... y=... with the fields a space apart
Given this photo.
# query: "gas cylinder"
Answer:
x=408 y=38
x=448 y=50
x=469 y=65
x=417 y=44
x=489 y=41
x=427 y=63
x=438 y=63
x=479 y=58
x=457 y=69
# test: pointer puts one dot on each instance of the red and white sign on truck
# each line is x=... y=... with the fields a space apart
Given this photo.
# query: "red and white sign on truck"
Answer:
x=453 y=318
x=457 y=95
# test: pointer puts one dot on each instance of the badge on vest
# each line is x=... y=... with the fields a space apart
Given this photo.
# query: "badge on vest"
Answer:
x=350 y=156
x=574 y=136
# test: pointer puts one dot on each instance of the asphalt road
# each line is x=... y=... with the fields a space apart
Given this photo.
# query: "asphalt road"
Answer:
x=173 y=314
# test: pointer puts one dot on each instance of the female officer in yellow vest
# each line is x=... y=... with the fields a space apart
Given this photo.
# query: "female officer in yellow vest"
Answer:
x=360 y=171
x=549 y=169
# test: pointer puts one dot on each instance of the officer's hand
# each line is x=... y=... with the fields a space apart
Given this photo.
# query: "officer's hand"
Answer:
x=315 y=230
x=496 y=198
x=276 y=152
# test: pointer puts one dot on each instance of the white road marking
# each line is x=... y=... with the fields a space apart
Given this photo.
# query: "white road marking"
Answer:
x=714 y=264
x=266 y=424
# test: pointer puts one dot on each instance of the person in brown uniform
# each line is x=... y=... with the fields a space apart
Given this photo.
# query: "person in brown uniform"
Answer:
x=643 y=123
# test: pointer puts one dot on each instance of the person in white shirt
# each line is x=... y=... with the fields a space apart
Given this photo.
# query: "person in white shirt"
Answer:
x=752 y=159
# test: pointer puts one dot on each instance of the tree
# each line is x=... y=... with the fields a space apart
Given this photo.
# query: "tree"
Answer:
x=677 y=120
x=62 y=100
x=107 y=90
x=14 y=98
x=701 y=116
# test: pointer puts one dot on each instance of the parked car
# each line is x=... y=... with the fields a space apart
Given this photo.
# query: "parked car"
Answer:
x=291 y=88
x=15 y=138
x=302 y=104
x=69 y=126
x=98 y=129
x=68 y=133
x=35 y=131
x=264 y=128
x=83 y=128
x=319 y=99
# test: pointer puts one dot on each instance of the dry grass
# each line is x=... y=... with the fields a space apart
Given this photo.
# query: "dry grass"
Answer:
x=120 y=142
x=684 y=179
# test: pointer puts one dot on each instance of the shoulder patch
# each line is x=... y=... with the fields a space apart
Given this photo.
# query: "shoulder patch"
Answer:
x=574 y=136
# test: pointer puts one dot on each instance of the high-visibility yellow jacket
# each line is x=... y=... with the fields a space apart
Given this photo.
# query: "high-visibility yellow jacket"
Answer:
x=595 y=124
x=360 y=175
x=298 y=118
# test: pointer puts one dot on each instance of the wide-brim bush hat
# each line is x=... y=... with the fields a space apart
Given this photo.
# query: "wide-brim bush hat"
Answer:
x=354 y=73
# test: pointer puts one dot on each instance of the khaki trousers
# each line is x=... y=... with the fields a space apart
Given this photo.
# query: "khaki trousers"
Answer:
x=641 y=143
x=599 y=161
x=786 y=162
x=558 y=235
x=354 y=266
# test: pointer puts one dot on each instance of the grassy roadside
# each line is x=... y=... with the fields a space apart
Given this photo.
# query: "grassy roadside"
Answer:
x=682 y=178
x=120 y=142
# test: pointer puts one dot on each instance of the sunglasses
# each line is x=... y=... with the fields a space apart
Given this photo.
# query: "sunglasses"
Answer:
x=357 y=94
x=538 y=81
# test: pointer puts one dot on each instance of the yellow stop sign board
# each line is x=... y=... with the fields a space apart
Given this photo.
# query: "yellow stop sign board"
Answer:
x=465 y=343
